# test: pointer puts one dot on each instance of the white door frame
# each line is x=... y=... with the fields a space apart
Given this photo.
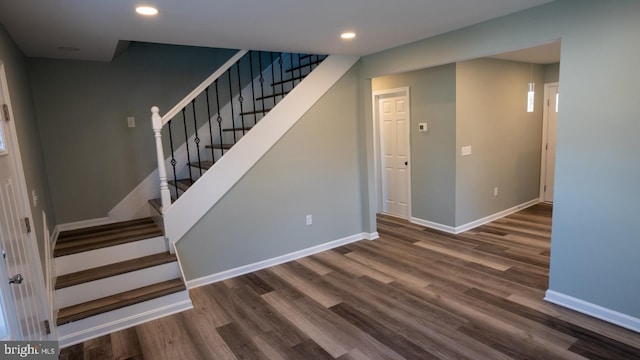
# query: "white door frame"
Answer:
x=377 y=138
x=10 y=132
x=545 y=125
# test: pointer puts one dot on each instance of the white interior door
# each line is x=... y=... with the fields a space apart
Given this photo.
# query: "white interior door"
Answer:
x=549 y=148
x=394 y=139
x=23 y=310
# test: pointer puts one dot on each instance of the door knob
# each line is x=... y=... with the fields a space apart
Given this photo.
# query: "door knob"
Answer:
x=16 y=279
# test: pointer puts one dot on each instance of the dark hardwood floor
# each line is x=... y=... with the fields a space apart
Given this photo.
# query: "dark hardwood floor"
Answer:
x=415 y=293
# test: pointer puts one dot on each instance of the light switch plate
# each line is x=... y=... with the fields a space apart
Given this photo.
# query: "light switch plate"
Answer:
x=131 y=121
x=422 y=127
x=466 y=150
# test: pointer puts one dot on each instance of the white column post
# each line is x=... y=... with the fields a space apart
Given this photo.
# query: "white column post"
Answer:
x=156 y=123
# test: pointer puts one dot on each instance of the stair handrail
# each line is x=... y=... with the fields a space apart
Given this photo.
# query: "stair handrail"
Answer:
x=158 y=122
x=200 y=88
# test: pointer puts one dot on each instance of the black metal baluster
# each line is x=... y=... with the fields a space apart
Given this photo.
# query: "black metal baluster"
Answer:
x=273 y=77
x=310 y=64
x=218 y=119
x=240 y=99
x=206 y=91
x=195 y=133
x=293 y=72
x=233 y=117
x=186 y=141
x=173 y=161
x=261 y=79
x=253 y=89
x=281 y=63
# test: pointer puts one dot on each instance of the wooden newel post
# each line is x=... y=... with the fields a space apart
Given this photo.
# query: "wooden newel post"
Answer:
x=156 y=123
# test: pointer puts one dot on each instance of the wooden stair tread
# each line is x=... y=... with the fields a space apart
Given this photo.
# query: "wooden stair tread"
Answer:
x=117 y=301
x=102 y=235
x=106 y=228
x=283 y=93
x=284 y=81
x=202 y=164
x=220 y=146
x=182 y=184
x=246 y=128
x=99 y=240
x=156 y=204
x=106 y=271
x=259 y=111
x=311 y=63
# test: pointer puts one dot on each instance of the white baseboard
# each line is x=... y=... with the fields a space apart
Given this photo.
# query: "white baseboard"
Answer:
x=99 y=325
x=433 y=225
x=475 y=223
x=371 y=236
x=242 y=270
x=597 y=311
x=83 y=224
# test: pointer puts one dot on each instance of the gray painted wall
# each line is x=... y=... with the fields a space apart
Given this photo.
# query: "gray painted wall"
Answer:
x=552 y=73
x=505 y=139
x=313 y=169
x=28 y=135
x=93 y=159
x=433 y=100
x=594 y=255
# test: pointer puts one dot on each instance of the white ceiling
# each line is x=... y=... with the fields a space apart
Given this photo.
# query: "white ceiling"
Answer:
x=42 y=27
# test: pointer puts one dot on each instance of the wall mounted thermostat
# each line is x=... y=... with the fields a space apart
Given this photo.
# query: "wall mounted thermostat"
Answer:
x=422 y=127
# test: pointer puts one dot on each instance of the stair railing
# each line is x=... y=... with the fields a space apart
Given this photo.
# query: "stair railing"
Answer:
x=220 y=101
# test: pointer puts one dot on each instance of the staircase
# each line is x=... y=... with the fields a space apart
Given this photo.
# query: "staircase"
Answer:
x=114 y=276
x=253 y=85
x=118 y=275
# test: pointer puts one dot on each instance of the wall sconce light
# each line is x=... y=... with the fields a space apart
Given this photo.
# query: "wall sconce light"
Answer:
x=531 y=97
x=531 y=92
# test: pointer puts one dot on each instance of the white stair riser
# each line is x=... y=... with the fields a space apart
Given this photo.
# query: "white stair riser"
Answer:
x=109 y=255
x=102 y=324
x=97 y=289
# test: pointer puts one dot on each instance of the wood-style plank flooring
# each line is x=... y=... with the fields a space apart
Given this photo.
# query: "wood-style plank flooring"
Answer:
x=415 y=293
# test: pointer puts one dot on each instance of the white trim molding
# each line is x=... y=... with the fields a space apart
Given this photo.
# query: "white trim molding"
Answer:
x=83 y=224
x=475 y=223
x=112 y=321
x=371 y=236
x=245 y=269
x=596 y=311
x=433 y=225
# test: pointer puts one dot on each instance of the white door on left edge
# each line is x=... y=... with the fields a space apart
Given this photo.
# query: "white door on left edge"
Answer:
x=394 y=128
x=23 y=311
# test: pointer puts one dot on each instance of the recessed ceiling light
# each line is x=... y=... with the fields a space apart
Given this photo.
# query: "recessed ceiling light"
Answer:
x=146 y=10
x=348 y=35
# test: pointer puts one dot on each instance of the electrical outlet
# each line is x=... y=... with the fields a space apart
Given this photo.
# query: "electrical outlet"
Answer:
x=34 y=198
x=495 y=191
x=131 y=121
x=309 y=220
